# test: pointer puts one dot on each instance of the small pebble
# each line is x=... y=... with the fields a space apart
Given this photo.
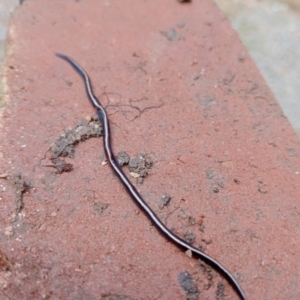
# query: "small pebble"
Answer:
x=164 y=201
x=89 y=118
x=134 y=175
x=189 y=253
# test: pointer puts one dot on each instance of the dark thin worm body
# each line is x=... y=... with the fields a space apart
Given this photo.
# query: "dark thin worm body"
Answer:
x=132 y=190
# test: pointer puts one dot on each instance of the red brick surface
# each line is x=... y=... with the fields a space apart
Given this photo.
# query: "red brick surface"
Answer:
x=221 y=146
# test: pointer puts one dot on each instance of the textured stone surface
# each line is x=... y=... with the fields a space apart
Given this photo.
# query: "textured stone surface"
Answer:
x=270 y=29
x=193 y=100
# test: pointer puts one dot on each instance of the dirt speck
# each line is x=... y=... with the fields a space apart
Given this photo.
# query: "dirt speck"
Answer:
x=182 y=214
x=164 y=201
x=187 y=283
x=5 y=265
x=236 y=180
x=191 y=220
x=262 y=187
x=172 y=35
x=220 y=291
x=216 y=190
x=216 y=178
x=99 y=208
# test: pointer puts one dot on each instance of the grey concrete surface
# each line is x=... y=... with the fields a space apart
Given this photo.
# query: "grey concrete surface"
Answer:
x=270 y=30
x=6 y=9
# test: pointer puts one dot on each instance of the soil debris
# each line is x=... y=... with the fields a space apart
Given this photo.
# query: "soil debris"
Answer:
x=123 y=158
x=187 y=283
x=189 y=236
x=64 y=145
x=20 y=186
x=88 y=128
x=164 y=201
x=138 y=166
x=83 y=130
x=60 y=165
